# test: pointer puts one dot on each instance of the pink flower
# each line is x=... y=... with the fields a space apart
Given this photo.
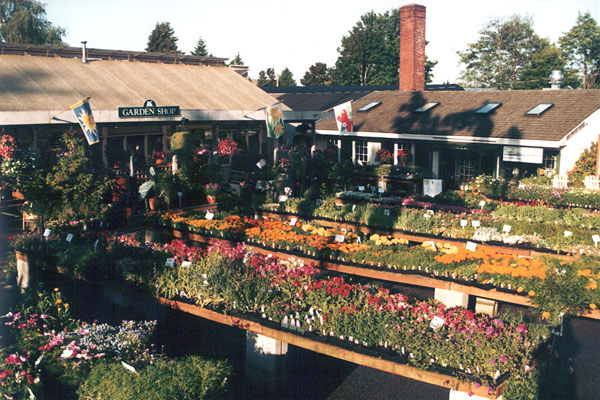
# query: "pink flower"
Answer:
x=503 y=359
x=477 y=385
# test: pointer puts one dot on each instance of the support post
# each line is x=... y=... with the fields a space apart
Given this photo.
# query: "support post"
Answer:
x=435 y=164
x=451 y=298
x=264 y=363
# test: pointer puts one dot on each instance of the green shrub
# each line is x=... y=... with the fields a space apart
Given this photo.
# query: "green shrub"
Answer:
x=191 y=377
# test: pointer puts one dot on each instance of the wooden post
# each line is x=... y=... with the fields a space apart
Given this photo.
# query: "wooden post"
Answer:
x=104 y=142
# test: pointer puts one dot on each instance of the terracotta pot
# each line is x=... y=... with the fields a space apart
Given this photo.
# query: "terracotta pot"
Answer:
x=159 y=161
x=16 y=195
x=211 y=199
x=153 y=203
x=128 y=212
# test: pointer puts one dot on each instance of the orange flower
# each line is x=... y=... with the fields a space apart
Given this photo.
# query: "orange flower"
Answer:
x=546 y=315
x=593 y=306
x=531 y=293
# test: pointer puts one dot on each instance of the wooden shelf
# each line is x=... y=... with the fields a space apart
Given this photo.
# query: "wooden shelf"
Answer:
x=390 y=276
x=404 y=370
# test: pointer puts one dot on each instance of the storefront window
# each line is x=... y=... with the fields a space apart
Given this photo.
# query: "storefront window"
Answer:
x=361 y=152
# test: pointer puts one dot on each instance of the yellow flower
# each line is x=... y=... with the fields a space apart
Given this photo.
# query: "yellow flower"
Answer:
x=66 y=305
x=519 y=289
x=58 y=301
x=56 y=289
x=39 y=295
x=593 y=306
x=592 y=285
x=531 y=293
x=546 y=315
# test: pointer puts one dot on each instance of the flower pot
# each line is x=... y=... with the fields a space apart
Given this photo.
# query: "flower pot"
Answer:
x=128 y=212
x=211 y=199
x=159 y=161
x=16 y=195
x=153 y=203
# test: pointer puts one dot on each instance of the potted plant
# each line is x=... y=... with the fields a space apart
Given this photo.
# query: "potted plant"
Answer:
x=211 y=190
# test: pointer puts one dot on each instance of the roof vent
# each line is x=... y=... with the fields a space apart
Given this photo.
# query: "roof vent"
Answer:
x=556 y=78
x=83 y=51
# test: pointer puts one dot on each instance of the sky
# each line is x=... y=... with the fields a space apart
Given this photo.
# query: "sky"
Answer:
x=296 y=34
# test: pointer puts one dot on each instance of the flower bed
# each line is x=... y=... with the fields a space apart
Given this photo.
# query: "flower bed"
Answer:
x=554 y=285
x=54 y=356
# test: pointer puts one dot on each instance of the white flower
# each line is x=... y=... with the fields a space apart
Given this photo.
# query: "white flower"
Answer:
x=67 y=353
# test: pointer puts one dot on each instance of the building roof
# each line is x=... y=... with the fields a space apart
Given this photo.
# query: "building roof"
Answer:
x=455 y=114
x=46 y=83
x=322 y=98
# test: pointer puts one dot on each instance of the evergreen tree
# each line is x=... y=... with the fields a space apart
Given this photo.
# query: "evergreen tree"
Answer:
x=584 y=166
x=546 y=58
x=504 y=48
x=581 y=48
x=237 y=60
x=24 y=21
x=200 y=49
x=317 y=75
x=162 y=39
x=286 y=78
x=267 y=78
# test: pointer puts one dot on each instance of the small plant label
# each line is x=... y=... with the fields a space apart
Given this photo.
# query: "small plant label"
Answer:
x=358 y=240
x=596 y=239
x=340 y=238
x=426 y=216
x=387 y=212
x=283 y=198
x=47 y=232
x=463 y=223
x=436 y=323
x=152 y=171
x=69 y=237
x=353 y=207
x=471 y=246
x=361 y=188
x=430 y=212
x=128 y=367
x=186 y=264
x=568 y=233
x=293 y=221
x=476 y=224
x=101 y=224
x=170 y=262
x=381 y=190
x=261 y=163
x=96 y=244
x=506 y=228
x=209 y=215
x=482 y=204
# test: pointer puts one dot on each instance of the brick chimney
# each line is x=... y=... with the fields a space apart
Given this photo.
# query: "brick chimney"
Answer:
x=412 y=47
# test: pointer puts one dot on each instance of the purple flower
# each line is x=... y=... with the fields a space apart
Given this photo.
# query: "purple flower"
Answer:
x=492 y=362
x=477 y=385
x=490 y=390
x=503 y=359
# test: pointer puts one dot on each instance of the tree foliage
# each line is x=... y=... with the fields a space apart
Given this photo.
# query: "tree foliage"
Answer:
x=237 y=60
x=370 y=53
x=267 y=78
x=286 y=78
x=504 y=48
x=24 y=21
x=317 y=75
x=581 y=48
x=200 y=49
x=162 y=39
x=584 y=166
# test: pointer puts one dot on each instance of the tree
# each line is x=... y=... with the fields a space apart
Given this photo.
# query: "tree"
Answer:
x=546 y=58
x=237 y=60
x=162 y=39
x=370 y=53
x=24 y=21
x=200 y=49
x=584 y=166
x=504 y=48
x=581 y=48
x=317 y=75
x=267 y=78
x=286 y=78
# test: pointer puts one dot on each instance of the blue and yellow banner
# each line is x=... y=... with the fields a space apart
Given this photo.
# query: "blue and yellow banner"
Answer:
x=274 y=119
x=83 y=113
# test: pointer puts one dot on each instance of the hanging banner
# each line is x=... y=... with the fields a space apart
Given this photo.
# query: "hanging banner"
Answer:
x=83 y=113
x=274 y=120
x=530 y=155
x=343 y=117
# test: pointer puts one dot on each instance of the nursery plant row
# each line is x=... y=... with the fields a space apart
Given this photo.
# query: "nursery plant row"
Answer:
x=294 y=297
x=566 y=230
x=556 y=286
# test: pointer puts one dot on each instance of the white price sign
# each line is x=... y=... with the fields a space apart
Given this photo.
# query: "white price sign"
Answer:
x=463 y=222
x=170 y=262
x=471 y=246
x=293 y=221
x=361 y=188
x=209 y=215
x=506 y=228
x=340 y=238
x=186 y=264
x=47 y=232
x=69 y=237
x=476 y=224
x=568 y=233
x=482 y=204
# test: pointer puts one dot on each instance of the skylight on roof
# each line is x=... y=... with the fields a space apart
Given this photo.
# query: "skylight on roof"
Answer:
x=540 y=109
x=369 y=106
x=488 y=108
x=426 y=107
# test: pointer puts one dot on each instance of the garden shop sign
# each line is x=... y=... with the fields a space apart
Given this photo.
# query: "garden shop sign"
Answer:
x=531 y=155
x=149 y=110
